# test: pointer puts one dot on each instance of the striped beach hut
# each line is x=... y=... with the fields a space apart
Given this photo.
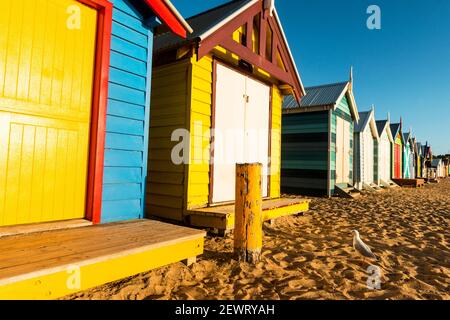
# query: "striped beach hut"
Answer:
x=397 y=151
x=74 y=115
x=408 y=156
x=216 y=101
x=366 y=152
x=385 y=152
x=317 y=140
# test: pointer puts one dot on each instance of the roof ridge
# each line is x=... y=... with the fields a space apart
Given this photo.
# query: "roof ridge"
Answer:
x=327 y=85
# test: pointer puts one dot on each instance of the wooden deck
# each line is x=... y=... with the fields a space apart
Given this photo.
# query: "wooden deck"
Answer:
x=221 y=218
x=410 y=183
x=51 y=264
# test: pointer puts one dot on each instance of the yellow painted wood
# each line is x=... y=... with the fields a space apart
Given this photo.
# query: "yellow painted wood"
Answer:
x=223 y=217
x=274 y=213
x=248 y=212
x=46 y=77
x=169 y=100
x=54 y=285
x=200 y=120
x=275 y=152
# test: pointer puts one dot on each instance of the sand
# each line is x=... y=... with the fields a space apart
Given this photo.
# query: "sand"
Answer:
x=311 y=256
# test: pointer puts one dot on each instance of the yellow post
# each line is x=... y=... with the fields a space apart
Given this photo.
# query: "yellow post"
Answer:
x=248 y=212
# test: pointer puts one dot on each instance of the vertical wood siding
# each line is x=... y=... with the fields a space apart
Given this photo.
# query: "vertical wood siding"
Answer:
x=127 y=116
x=304 y=153
x=169 y=101
x=45 y=106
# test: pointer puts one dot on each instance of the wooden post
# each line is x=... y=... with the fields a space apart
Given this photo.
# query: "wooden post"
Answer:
x=248 y=212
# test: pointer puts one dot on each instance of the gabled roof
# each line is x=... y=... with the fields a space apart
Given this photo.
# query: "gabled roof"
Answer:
x=435 y=162
x=201 y=24
x=381 y=125
x=210 y=30
x=170 y=16
x=419 y=148
x=407 y=136
x=396 y=129
x=384 y=125
x=323 y=97
x=367 y=118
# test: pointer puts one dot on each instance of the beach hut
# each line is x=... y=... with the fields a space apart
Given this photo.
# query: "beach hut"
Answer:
x=426 y=160
x=437 y=168
x=408 y=156
x=216 y=101
x=419 y=160
x=317 y=141
x=445 y=164
x=366 y=152
x=385 y=152
x=397 y=151
x=74 y=118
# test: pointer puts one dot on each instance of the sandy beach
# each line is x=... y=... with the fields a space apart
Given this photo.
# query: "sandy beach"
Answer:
x=311 y=256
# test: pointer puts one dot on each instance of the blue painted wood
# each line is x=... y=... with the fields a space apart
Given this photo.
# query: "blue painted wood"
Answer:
x=126 y=110
x=127 y=118
x=122 y=175
x=126 y=63
x=123 y=158
x=127 y=79
x=124 y=142
x=129 y=21
x=124 y=125
x=114 y=192
x=124 y=32
x=124 y=209
x=123 y=6
x=147 y=115
x=128 y=48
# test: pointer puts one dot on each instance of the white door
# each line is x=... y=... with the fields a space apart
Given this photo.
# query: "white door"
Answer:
x=257 y=113
x=241 y=130
x=385 y=158
x=368 y=156
x=342 y=151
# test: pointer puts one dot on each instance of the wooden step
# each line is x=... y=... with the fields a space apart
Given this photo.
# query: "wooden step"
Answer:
x=347 y=192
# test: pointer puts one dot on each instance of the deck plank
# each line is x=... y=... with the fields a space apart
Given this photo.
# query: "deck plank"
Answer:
x=53 y=250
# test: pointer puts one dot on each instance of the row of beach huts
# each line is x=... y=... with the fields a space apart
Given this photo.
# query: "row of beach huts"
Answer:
x=113 y=112
x=329 y=148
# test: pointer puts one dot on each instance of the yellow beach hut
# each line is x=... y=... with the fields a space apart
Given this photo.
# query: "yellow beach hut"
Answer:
x=216 y=101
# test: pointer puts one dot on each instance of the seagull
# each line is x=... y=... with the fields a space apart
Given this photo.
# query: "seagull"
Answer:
x=361 y=247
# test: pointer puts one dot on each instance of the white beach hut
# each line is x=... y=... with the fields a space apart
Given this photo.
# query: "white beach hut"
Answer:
x=366 y=152
x=385 y=147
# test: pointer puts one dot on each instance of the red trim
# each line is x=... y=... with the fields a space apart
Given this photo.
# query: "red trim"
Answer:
x=99 y=103
x=164 y=13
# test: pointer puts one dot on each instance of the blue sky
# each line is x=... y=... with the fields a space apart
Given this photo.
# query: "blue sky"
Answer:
x=404 y=68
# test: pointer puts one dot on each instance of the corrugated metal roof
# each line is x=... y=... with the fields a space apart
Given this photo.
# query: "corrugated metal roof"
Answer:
x=381 y=124
x=324 y=95
x=363 y=119
x=200 y=24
